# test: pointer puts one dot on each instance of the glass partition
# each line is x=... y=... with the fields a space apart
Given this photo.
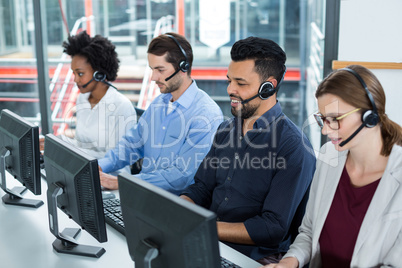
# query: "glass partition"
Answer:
x=211 y=26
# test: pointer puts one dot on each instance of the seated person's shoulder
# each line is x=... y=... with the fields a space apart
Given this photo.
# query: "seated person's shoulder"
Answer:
x=292 y=138
x=287 y=131
x=121 y=98
x=203 y=100
x=226 y=125
x=224 y=128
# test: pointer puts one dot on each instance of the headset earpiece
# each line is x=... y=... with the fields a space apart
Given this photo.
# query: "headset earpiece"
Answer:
x=370 y=119
x=99 y=77
x=266 y=90
x=184 y=66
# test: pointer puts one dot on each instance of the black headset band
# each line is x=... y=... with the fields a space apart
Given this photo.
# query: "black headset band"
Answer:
x=180 y=47
x=364 y=86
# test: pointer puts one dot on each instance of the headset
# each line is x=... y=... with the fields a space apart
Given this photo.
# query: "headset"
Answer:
x=266 y=90
x=98 y=77
x=370 y=118
x=184 y=65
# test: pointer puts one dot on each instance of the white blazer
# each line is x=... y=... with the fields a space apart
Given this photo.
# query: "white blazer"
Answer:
x=379 y=242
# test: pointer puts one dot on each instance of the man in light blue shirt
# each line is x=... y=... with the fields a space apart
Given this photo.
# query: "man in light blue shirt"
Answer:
x=176 y=131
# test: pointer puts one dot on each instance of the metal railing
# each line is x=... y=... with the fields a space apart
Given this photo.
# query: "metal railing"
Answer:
x=65 y=85
x=67 y=81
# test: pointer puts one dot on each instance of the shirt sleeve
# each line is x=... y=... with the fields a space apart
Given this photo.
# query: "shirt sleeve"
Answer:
x=180 y=172
x=128 y=150
x=288 y=187
x=201 y=191
x=301 y=248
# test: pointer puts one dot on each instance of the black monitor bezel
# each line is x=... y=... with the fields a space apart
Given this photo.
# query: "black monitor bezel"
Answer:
x=63 y=193
x=138 y=196
x=13 y=159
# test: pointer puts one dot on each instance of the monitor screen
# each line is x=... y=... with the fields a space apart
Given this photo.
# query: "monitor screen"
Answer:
x=20 y=156
x=163 y=230
x=74 y=187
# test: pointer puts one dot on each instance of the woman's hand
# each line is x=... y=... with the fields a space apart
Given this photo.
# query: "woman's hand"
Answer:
x=289 y=262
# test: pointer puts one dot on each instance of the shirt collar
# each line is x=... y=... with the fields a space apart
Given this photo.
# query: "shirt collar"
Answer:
x=268 y=117
x=186 y=99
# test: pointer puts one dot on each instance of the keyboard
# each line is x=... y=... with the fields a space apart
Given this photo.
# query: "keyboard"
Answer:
x=113 y=215
x=225 y=263
x=114 y=218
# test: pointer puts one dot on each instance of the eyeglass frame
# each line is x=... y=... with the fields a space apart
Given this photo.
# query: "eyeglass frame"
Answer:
x=320 y=118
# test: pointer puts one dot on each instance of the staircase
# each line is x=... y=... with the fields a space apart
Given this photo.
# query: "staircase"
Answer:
x=129 y=80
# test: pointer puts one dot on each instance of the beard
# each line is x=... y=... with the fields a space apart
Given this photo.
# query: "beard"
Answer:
x=171 y=85
x=246 y=111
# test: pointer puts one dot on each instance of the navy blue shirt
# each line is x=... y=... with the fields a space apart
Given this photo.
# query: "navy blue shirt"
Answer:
x=260 y=179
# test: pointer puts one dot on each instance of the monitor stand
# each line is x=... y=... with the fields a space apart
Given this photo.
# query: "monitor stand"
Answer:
x=145 y=251
x=65 y=241
x=14 y=196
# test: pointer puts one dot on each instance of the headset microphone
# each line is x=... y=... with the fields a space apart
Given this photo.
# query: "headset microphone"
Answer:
x=250 y=99
x=167 y=79
x=84 y=86
x=265 y=91
x=99 y=77
x=352 y=136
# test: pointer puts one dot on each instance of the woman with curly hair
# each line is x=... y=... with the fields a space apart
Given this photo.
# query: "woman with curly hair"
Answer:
x=103 y=113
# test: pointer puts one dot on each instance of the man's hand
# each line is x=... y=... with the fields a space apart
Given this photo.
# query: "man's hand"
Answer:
x=234 y=232
x=185 y=197
x=41 y=144
x=108 y=181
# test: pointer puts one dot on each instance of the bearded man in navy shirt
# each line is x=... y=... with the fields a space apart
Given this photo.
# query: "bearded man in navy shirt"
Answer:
x=257 y=173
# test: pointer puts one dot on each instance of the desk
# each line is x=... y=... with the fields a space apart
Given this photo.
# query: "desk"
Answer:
x=26 y=241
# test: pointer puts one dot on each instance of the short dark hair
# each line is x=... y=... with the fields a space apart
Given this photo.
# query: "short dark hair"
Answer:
x=164 y=44
x=98 y=50
x=269 y=58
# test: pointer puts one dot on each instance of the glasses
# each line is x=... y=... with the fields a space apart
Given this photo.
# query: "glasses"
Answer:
x=332 y=122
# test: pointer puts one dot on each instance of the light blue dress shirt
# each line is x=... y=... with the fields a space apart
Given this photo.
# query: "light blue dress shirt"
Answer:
x=172 y=144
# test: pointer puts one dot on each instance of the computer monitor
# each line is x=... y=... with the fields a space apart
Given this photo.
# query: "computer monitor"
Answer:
x=73 y=186
x=163 y=230
x=20 y=156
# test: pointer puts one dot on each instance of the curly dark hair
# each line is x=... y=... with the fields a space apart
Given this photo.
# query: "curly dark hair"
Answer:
x=268 y=56
x=98 y=50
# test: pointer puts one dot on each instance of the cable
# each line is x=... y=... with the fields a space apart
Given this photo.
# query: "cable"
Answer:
x=64 y=18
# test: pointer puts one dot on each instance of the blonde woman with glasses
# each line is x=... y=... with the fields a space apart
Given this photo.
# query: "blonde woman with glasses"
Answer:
x=354 y=214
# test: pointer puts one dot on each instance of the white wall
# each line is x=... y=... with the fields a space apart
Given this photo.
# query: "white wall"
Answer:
x=371 y=30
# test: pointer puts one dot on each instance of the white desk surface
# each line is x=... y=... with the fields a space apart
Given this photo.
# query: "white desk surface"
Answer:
x=26 y=241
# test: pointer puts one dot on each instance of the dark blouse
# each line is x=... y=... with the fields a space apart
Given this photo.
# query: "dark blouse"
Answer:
x=341 y=228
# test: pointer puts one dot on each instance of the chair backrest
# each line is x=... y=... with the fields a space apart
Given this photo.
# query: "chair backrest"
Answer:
x=137 y=166
x=139 y=112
